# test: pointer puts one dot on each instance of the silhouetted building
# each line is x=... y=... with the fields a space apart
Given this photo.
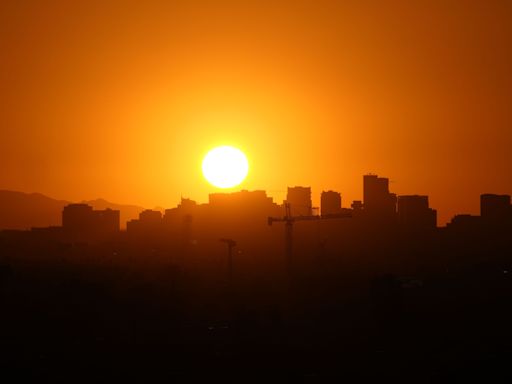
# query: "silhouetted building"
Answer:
x=330 y=203
x=81 y=223
x=77 y=217
x=179 y=220
x=414 y=212
x=148 y=225
x=299 y=199
x=465 y=223
x=357 y=205
x=150 y=217
x=173 y=216
x=248 y=206
x=107 y=221
x=187 y=204
x=495 y=207
x=378 y=202
x=52 y=233
x=243 y=197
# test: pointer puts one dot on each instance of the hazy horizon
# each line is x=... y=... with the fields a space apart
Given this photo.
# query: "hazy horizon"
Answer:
x=122 y=100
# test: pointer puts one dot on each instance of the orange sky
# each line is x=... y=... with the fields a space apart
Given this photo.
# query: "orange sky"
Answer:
x=121 y=101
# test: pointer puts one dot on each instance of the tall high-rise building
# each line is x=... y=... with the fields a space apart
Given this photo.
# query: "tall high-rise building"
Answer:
x=150 y=216
x=414 y=212
x=330 y=203
x=377 y=200
x=81 y=223
x=77 y=218
x=107 y=221
x=149 y=224
x=299 y=199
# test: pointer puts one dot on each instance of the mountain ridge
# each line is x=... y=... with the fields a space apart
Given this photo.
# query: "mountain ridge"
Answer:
x=21 y=210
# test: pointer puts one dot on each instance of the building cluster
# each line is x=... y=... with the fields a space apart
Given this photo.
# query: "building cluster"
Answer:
x=379 y=206
x=495 y=214
x=251 y=209
x=80 y=222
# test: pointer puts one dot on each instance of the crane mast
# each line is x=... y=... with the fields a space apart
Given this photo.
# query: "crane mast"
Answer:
x=288 y=221
x=231 y=244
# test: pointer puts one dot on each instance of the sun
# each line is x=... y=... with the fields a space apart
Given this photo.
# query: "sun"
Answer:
x=225 y=167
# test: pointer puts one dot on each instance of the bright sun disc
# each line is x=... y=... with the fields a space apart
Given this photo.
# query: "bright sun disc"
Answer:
x=225 y=167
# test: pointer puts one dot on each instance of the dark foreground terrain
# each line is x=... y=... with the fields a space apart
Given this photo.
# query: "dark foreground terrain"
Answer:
x=434 y=309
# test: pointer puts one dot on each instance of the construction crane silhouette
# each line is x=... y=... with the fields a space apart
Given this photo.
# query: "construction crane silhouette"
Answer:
x=231 y=244
x=288 y=220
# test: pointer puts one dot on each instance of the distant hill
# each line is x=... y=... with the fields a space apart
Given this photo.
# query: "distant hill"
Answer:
x=20 y=210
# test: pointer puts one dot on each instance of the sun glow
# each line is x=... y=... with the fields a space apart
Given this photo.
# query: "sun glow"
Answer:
x=225 y=167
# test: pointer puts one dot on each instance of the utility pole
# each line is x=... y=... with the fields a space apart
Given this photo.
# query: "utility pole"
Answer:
x=231 y=244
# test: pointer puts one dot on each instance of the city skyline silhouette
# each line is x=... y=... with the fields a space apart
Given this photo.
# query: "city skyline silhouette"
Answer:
x=318 y=291
x=290 y=190
x=123 y=101
x=379 y=208
x=11 y=196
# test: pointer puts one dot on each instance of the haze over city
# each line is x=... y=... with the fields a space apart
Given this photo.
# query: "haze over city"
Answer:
x=122 y=100
x=241 y=189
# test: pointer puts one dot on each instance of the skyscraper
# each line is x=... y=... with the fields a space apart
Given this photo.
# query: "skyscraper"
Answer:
x=77 y=218
x=299 y=199
x=81 y=223
x=414 y=212
x=378 y=202
x=330 y=203
x=149 y=225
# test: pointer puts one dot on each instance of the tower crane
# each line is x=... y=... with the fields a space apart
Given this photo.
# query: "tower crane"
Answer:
x=288 y=221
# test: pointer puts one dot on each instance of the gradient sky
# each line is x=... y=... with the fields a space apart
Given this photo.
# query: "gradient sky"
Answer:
x=121 y=99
